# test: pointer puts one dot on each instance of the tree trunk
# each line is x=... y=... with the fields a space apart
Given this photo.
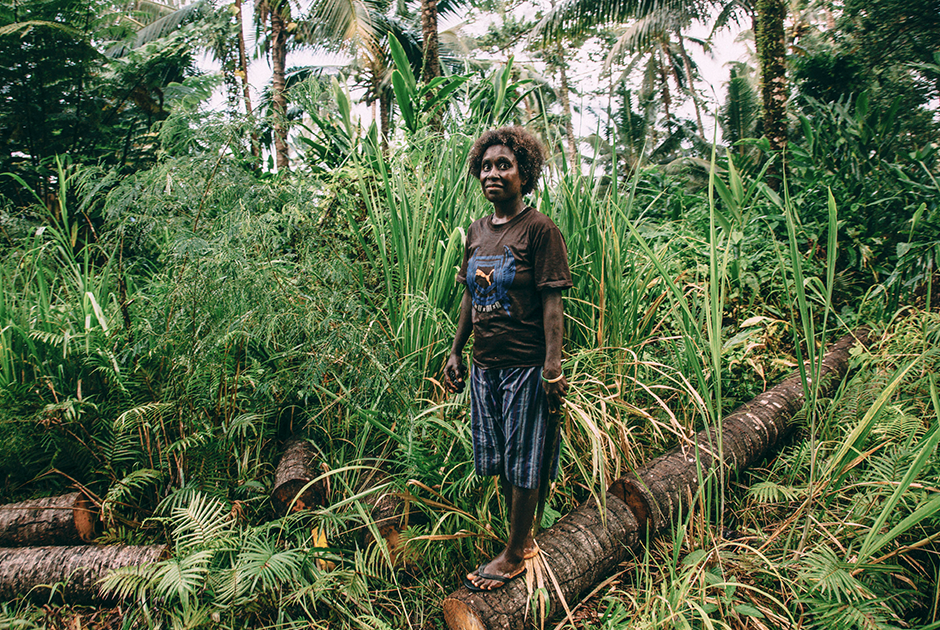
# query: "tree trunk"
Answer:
x=431 y=63
x=278 y=87
x=246 y=89
x=431 y=59
x=580 y=549
x=667 y=99
x=771 y=56
x=390 y=511
x=566 y=107
x=662 y=490
x=295 y=471
x=687 y=66
x=385 y=118
x=62 y=520
x=38 y=570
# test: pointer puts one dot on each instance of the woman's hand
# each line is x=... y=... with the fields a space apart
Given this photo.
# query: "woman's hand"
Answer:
x=454 y=374
x=554 y=392
x=454 y=370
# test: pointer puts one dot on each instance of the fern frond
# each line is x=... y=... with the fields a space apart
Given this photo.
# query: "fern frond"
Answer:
x=201 y=523
x=129 y=583
x=181 y=577
x=262 y=562
x=770 y=492
x=122 y=491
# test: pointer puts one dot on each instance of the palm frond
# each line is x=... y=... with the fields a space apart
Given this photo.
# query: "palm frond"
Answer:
x=352 y=24
x=770 y=492
x=261 y=561
x=24 y=28
x=201 y=522
x=640 y=36
x=730 y=13
x=161 y=27
x=181 y=577
x=577 y=18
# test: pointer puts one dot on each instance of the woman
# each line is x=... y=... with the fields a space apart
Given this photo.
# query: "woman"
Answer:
x=515 y=267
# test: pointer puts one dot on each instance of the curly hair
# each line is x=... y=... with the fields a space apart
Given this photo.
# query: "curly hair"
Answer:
x=528 y=151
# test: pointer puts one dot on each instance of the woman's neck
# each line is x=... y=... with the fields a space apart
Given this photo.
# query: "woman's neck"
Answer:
x=504 y=213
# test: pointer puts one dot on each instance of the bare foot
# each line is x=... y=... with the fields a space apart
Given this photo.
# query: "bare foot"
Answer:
x=501 y=566
x=530 y=549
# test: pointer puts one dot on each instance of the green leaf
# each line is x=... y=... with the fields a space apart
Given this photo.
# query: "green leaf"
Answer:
x=748 y=611
x=853 y=443
x=402 y=65
x=403 y=96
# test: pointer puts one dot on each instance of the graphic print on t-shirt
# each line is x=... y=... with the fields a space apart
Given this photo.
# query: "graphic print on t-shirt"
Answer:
x=489 y=279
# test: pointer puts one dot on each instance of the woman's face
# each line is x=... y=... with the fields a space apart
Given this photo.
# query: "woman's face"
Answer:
x=499 y=175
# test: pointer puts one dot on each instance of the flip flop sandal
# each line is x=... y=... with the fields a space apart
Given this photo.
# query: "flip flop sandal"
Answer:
x=502 y=579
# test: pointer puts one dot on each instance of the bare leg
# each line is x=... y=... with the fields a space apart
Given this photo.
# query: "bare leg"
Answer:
x=507 y=490
x=522 y=504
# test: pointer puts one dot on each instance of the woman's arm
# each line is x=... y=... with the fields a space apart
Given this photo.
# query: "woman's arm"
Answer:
x=454 y=370
x=553 y=319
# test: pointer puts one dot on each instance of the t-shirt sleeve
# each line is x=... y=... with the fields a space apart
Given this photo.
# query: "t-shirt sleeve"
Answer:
x=550 y=267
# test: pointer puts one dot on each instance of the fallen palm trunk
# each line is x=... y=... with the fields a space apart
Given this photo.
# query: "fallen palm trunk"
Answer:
x=659 y=492
x=651 y=500
x=73 y=572
x=295 y=471
x=579 y=550
x=62 y=520
x=390 y=511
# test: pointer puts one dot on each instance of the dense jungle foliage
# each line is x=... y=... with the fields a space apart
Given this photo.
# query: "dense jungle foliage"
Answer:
x=173 y=310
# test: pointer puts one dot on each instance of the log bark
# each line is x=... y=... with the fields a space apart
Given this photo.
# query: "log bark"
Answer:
x=62 y=520
x=390 y=511
x=581 y=549
x=295 y=470
x=659 y=492
x=73 y=572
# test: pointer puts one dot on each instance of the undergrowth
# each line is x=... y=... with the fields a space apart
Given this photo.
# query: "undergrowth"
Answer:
x=164 y=333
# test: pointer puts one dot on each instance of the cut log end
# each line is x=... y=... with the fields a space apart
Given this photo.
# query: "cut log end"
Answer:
x=627 y=491
x=60 y=520
x=294 y=477
x=460 y=616
x=578 y=550
x=311 y=498
x=85 y=517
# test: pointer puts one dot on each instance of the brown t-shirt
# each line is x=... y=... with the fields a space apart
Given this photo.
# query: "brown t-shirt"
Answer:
x=505 y=267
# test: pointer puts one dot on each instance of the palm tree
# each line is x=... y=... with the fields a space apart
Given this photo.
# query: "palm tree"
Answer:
x=243 y=72
x=277 y=12
x=659 y=37
x=739 y=115
x=361 y=29
x=580 y=16
x=771 y=54
x=431 y=64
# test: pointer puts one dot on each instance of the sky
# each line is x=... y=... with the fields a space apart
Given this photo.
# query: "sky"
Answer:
x=584 y=73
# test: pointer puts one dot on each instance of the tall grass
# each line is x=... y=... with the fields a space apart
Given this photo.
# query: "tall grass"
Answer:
x=58 y=299
x=325 y=305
